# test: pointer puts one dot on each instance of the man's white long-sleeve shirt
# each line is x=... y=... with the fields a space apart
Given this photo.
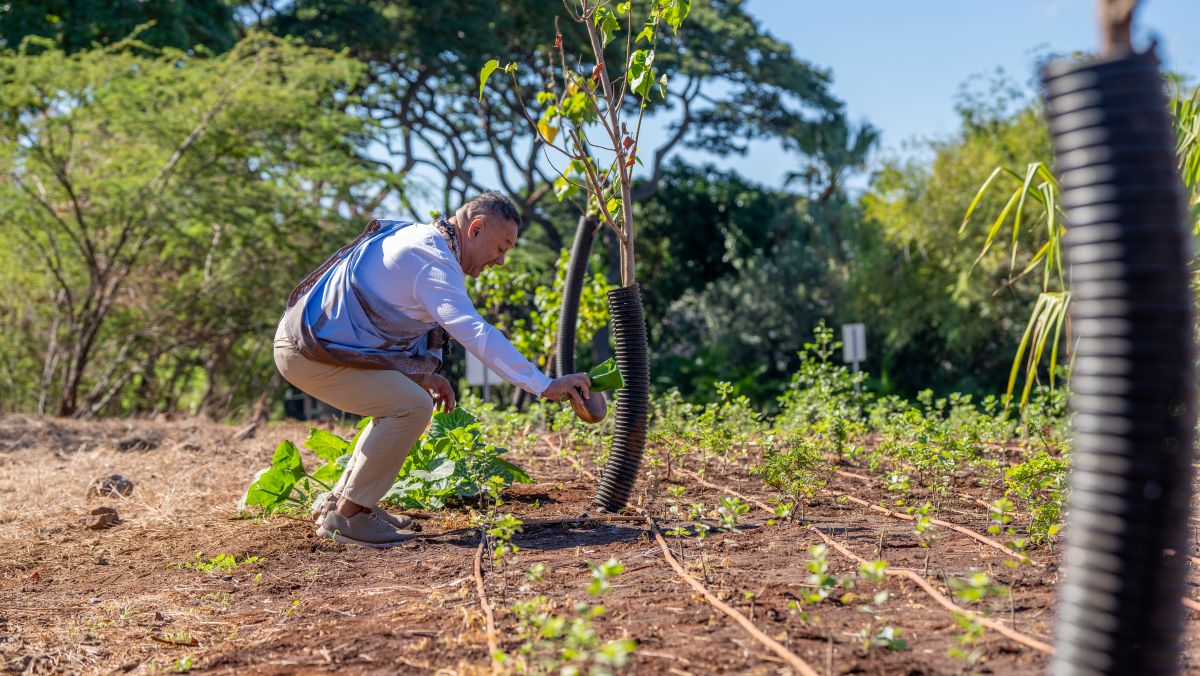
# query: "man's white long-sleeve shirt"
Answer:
x=405 y=280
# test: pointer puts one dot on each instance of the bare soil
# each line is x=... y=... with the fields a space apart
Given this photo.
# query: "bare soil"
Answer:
x=74 y=599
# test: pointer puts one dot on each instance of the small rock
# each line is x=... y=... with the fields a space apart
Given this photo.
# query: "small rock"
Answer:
x=103 y=517
x=101 y=561
x=159 y=617
x=94 y=600
x=110 y=486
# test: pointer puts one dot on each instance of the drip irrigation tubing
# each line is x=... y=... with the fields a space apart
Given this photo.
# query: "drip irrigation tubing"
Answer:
x=488 y=617
x=962 y=530
x=946 y=603
x=795 y=661
x=1128 y=249
x=1023 y=639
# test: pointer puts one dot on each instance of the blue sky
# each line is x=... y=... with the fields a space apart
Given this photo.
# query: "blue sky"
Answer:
x=900 y=64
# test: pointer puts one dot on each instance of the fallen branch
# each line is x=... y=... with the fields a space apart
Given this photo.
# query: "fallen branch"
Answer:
x=792 y=659
x=489 y=619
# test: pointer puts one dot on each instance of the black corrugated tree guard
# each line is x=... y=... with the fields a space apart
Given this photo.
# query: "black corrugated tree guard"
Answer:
x=581 y=100
x=1120 y=607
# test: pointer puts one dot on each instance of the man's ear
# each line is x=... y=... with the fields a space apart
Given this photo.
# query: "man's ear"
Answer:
x=475 y=226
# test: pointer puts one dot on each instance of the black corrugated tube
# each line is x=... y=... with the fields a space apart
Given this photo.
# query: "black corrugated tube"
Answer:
x=1133 y=388
x=633 y=400
x=568 y=322
x=633 y=358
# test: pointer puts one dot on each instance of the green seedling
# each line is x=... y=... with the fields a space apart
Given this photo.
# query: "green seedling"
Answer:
x=922 y=524
x=677 y=491
x=886 y=637
x=220 y=563
x=975 y=588
x=602 y=573
x=819 y=578
x=873 y=571
x=730 y=510
x=971 y=632
x=568 y=644
x=783 y=510
x=897 y=483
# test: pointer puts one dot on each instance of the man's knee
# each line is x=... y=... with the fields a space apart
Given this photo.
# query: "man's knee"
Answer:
x=418 y=406
x=425 y=409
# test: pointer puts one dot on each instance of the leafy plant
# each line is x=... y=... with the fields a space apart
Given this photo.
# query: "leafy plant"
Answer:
x=794 y=466
x=823 y=584
x=1047 y=328
x=590 y=99
x=885 y=637
x=1040 y=481
x=286 y=484
x=822 y=399
x=450 y=462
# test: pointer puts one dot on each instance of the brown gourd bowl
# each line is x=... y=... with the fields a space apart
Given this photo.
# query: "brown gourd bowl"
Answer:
x=593 y=409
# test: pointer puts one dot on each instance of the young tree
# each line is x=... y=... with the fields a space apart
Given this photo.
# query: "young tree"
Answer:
x=729 y=81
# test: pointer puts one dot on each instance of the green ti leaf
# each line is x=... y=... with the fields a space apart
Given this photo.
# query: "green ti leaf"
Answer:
x=606 y=376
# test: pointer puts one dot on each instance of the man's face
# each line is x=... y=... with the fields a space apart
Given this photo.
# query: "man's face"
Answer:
x=486 y=242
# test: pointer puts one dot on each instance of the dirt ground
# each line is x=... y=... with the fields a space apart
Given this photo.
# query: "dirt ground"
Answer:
x=74 y=599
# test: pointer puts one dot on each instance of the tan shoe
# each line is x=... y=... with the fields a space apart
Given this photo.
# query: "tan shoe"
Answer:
x=328 y=503
x=364 y=528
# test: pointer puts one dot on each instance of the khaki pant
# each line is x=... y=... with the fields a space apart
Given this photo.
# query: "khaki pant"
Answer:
x=399 y=409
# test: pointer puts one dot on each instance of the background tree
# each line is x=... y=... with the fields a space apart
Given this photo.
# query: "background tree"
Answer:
x=943 y=320
x=156 y=209
x=74 y=25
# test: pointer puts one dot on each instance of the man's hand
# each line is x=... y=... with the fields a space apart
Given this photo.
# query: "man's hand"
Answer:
x=577 y=386
x=443 y=394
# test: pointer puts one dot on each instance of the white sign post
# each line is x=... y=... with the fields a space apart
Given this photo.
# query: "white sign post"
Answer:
x=478 y=374
x=854 y=344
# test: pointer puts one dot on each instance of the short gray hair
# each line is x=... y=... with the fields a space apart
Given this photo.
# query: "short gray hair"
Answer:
x=490 y=203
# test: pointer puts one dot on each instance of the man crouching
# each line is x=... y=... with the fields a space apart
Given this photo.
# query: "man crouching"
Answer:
x=364 y=333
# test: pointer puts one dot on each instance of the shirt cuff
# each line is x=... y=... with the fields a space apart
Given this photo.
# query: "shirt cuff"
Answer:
x=538 y=383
